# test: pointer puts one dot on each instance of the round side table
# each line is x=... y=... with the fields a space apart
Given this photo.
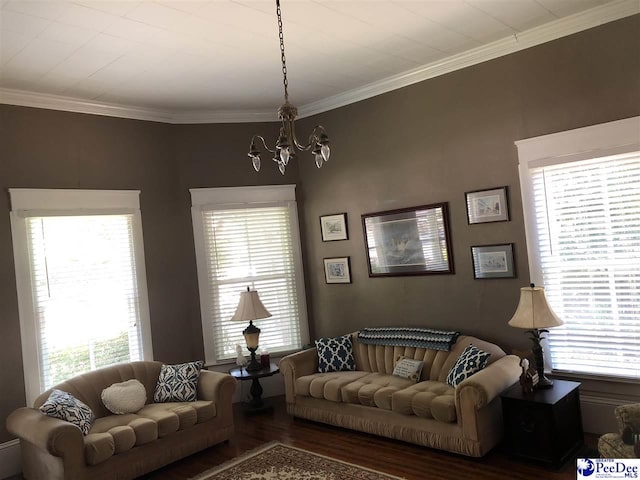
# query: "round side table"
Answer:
x=256 y=404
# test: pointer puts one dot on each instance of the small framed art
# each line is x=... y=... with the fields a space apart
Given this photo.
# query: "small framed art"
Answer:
x=334 y=227
x=336 y=270
x=485 y=206
x=493 y=261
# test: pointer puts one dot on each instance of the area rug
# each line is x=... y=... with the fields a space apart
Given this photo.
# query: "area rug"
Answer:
x=276 y=461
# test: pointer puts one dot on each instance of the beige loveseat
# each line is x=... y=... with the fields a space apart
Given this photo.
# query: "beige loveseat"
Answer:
x=466 y=419
x=124 y=446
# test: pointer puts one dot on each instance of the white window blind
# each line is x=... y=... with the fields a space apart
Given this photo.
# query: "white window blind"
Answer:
x=249 y=245
x=82 y=292
x=587 y=219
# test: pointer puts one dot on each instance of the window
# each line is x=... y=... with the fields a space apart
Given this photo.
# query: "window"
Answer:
x=249 y=237
x=581 y=193
x=81 y=282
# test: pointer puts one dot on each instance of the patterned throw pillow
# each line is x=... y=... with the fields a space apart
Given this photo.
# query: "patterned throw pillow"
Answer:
x=471 y=360
x=66 y=407
x=178 y=383
x=335 y=354
x=408 y=368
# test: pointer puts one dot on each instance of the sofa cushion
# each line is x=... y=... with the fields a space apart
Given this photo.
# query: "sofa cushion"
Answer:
x=124 y=438
x=124 y=397
x=325 y=385
x=98 y=447
x=428 y=399
x=168 y=422
x=66 y=407
x=374 y=390
x=178 y=383
x=408 y=368
x=144 y=429
x=470 y=361
x=335 y=354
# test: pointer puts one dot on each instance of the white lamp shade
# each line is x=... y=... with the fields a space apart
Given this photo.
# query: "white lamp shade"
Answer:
x=250 y=308
x=533 y=311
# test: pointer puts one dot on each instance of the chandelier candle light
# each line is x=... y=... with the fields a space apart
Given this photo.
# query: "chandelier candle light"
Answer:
x=535 y=314
x=251 y=308
x=285 y=148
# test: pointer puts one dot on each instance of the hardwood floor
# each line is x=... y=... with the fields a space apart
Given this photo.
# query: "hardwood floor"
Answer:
x=402 y=459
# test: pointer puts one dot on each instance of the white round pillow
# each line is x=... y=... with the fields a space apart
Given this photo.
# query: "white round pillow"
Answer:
x=125 y=397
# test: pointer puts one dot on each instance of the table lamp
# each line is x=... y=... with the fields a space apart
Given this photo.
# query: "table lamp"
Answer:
x=535 y=314
x=251 y=308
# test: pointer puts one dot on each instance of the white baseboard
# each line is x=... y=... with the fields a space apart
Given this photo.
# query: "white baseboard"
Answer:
x=10 y=459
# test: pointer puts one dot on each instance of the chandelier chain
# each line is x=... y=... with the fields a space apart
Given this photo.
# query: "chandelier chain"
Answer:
x=282 y=57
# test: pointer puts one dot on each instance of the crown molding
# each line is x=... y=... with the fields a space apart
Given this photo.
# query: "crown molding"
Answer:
x=527 y=39
x=530 y=38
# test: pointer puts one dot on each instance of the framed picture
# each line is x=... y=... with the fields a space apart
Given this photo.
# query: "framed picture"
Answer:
x=484 y=206
x=336 y=270
x=409 y=241
x=334 y=227
x=493 y=261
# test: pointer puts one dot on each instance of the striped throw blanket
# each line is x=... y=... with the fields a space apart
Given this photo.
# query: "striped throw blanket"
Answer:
x=409 y=337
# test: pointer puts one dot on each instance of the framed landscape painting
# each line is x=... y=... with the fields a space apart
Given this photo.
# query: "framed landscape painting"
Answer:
x=409 y=241
x=493 y=261
x=485 y=206
x=336 y=270
x=334 y=227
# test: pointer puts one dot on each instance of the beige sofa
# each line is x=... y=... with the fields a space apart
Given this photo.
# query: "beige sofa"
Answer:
x=122 y=446
x=466 y=419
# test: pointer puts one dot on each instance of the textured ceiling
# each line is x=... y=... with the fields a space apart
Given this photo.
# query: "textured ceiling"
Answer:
x=223 y=55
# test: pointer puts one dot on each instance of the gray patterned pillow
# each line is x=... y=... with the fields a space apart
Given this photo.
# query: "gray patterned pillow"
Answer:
x=66 y=407
x=335 y=354
x=178 y=383
x=470 y=361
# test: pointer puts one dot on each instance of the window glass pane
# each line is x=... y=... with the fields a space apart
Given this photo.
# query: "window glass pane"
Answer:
x=251 y=247
x=587 y=218
x=84 y=292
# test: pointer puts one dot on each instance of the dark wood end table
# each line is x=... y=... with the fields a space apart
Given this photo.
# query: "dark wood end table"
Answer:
x=543 y=426
x=256 y=404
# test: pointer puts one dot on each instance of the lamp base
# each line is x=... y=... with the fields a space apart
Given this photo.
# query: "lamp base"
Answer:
x=253 y=364
x=543 y=382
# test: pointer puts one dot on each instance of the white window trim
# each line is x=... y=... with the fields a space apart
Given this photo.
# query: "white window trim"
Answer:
x=602 y=140
x=605 y=139
x=27 y=202
x=232 y=197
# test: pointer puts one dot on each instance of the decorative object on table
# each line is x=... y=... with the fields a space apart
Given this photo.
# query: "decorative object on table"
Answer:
x=276 y=460
x=265 y=359
x=334 y=227
x=240 y=358
x=408 y=241
x=485 y=206
x=251 y=308
x=493 y=261
x=287 y=143
x=535 y=314
x=528 y=380
x=336 y=270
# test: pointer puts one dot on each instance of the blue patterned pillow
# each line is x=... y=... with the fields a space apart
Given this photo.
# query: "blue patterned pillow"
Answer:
x=66 y=407
x=178 y=383
x=335 y=354
x=471 y=360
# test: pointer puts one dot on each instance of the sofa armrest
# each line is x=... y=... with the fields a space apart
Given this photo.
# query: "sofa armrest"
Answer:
x=628 y=416
x=483 y=386
x=55 y=436
x=295 y=366
x=215 y=386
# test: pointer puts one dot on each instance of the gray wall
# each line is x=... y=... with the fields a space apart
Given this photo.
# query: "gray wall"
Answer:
x=426 y=143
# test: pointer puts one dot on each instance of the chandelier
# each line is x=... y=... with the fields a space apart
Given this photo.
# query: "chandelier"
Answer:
x=287 y=144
